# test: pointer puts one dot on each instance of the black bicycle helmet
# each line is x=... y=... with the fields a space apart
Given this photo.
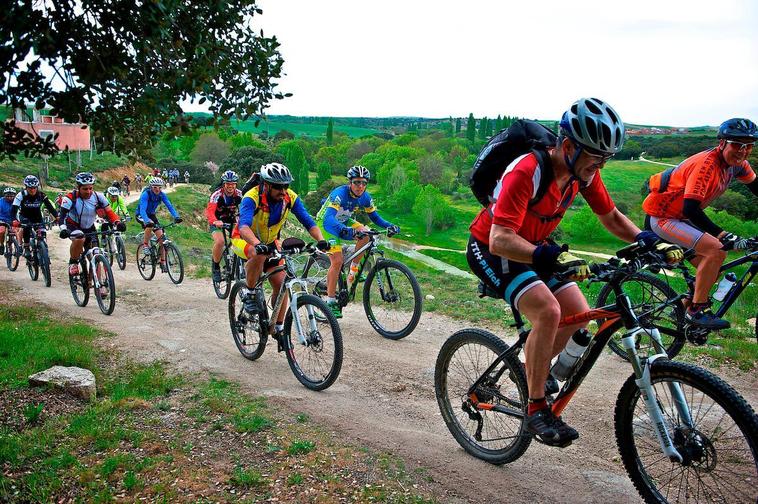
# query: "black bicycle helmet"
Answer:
x=594 y=124
x=737 y=128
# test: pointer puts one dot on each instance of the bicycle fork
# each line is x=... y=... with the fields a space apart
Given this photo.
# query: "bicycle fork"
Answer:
x=312 y=323
x=644 y=383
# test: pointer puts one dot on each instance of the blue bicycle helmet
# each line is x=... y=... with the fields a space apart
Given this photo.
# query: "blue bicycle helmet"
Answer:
x=229 y=176
x=31 y=181
x=736 y=128
x=358 y=171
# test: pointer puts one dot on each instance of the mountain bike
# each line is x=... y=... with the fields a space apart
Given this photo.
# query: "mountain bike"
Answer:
x=391 y=294
x=232 y=266
x=658 y=304
x=12 y=249
x=94 y=271
x=39 y=257
x=311 y=338
x=683 y=434
x=148 y=257
x=114 y=246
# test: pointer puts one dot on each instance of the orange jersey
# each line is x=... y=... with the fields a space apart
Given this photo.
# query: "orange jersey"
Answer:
x=702 y=177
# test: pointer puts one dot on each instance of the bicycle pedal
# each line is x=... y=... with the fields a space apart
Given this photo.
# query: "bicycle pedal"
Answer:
x=565 y=444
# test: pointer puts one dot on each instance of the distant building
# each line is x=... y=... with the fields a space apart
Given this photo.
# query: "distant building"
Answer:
x=71 y=136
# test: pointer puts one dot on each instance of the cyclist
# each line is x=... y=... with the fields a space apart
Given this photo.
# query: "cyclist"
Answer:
x=677 y=200
x=510 y=252
x=125 y=182
x=149 y=201
x=7 y=217
x=28 y=206
x=222 y=208
x=79 y=210
x=138 y=182
x=337 y=225
x=186 y=176
x=117 y=202
x=263 y=211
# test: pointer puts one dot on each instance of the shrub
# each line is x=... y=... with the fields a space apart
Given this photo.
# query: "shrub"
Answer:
x=432 y=208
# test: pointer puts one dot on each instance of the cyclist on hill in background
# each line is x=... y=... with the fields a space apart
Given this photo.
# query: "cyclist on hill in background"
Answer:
x=510 y=252
x=79 y=210
x=337 y=225
x=186 y=176
x=149 y=201
x=222 y=208
x=263 y=211
x=125 y=182
x=7 y=217
x=677 y=200
x=138 y=182
x=28 y=206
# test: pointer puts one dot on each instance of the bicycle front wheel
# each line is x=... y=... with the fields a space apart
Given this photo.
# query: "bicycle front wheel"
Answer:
x=719 y=446
x=222 y=288
x=120 y=253
x=495 y=437
x=248 y=333
x=79 y=285
x=43 y=259
x=174 y=263
x=392 y=299
x=12 y=252
x=106 y=293
x=315 y=354
x=33 y=266
x=648 y=294
x=145 y=261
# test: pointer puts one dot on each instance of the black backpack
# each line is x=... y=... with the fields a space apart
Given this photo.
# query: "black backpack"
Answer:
x=522 y=137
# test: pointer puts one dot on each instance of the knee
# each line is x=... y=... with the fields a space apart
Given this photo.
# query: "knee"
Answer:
x=548 y=316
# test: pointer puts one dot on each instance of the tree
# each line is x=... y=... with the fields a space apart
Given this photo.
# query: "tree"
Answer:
x=124 y=67
x=430 y=169
x=457 y=125
x=209 y=147
x=247 y=160
x=324 y=173
x=294 y=158
x=283 y=135
x=330 y=132
x=483 y=128
x=432 y=208
x=471 y=128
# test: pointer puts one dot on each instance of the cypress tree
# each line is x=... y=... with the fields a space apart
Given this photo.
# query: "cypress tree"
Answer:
x=483 y=128
x=471 y=128
x=330 y=132
x=457 y=125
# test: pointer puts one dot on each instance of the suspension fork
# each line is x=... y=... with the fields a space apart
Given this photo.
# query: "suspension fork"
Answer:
x=294 y=294
x=645 y=385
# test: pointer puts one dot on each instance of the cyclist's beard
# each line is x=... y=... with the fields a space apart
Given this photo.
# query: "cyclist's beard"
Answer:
x=276 y=199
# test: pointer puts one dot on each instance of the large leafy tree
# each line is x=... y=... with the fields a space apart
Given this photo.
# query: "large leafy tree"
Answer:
x=124 y=66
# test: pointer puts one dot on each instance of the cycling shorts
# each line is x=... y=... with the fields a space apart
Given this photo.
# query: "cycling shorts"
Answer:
x=91 y=238
x=213 y=229
x=335 y=241
x=510 y=279
x=28 y=225
x=152 y=217
x=679 y=232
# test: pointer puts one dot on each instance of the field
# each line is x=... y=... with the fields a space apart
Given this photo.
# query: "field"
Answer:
x=312 y=130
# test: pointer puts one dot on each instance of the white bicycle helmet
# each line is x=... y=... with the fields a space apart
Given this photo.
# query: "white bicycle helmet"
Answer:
x=85 y=178
x=31 y=181
x=276 y=173
x=113 y=191
x=594 y=124
x=358 y=171
x=157 y=181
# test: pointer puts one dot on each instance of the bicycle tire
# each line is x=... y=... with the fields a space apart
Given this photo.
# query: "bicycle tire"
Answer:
x=145 y=262
x=32 y=265
x=398 y=299
x=717 y=402
x=79 y=286
x=43 y=259
x=121 y=253
x=247 y=332
x=223 y=287
x=463 y=358
x=312 y=362
x=110 y=254
x=174 y=260
x=11 y=253
x=645 y=291
x=107 y=301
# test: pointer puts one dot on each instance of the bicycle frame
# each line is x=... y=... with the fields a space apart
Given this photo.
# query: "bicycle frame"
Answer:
x=614 y=316
x=88 y=257
x=741 y=283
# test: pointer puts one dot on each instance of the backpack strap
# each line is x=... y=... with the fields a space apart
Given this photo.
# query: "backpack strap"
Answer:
x=546 y=175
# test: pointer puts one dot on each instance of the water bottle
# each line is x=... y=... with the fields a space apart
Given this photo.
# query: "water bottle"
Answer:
x=724 y=285
x=568 y=357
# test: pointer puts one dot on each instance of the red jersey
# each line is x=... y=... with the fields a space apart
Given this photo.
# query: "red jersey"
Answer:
x=223 y=207
x=702 y=177
x=535 y=223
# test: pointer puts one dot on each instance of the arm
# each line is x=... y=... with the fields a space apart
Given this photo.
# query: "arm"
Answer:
x=247 y=210
x=620 y=225
x=210 y=210
x=333 y=226
x=50 y=207
x=142 y=206
x=504 y=242
x=695 y=215
x=377 y=219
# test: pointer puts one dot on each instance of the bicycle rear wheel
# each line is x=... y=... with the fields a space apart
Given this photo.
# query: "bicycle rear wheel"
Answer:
x=145 y=261
x=392 y=299
x=720 y=447
x=120 y=253
x=495 y=437
x=11 y=253
x=248 y=332
x=648 y=294
x=79 y=285
x=223 y=287
x=106 y=293
x=43 y=259
x=174 y=263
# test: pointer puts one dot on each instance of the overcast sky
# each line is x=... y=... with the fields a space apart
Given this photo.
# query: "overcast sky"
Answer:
x=681 y=63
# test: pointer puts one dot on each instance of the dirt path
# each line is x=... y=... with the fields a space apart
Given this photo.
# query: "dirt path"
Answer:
x=383 y=398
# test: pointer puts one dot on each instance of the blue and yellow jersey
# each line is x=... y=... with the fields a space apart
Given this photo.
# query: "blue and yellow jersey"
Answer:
x=336 y=214
x=266 y=219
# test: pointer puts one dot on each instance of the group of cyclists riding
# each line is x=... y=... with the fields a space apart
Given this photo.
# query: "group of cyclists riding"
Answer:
x=509 y=247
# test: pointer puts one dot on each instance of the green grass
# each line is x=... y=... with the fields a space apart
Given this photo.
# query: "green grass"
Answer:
x=59 y=175
x=299 y=129
x=300 y=447
x=456 y=259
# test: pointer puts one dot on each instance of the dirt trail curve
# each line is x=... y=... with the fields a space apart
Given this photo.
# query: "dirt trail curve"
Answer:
x=383 y=398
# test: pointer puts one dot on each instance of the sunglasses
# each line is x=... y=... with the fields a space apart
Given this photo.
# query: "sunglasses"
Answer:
x=359 y=182
x=741 y=145
x=280 y=187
